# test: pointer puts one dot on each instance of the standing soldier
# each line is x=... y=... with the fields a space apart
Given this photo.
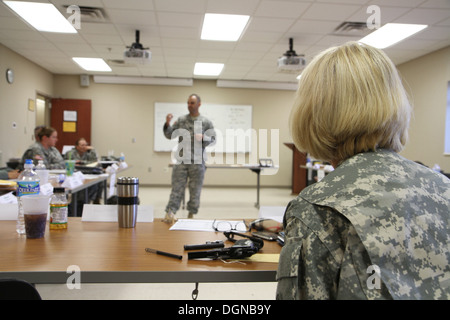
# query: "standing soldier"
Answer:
x=195 y=133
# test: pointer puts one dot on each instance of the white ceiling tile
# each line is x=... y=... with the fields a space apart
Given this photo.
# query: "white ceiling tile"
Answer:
x=281 y=9
x=444 y=23
x=441 y=4
x=314 y=27
x=387 y=14
x=85 y=3
x=253 y=46
x=331 y=12
x=331 y=41
x=179 y=33
x=262 y=36
x=175 y=19
x=105 y=39
x=246 y=7
x=424 y=16
x=120 y=4
x=397 y=3
x=191 y=6
x=269 y=24
x=180 y=43
x=11 y=22
x=434 y=33
x=360 y=2
x=97 y=28
x=216 y=55
x=132 y=17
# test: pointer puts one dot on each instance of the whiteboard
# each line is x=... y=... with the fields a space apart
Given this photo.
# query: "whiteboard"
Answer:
x=232 y=123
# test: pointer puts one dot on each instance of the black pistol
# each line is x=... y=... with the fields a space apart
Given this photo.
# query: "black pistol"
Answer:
x=241 y=249
x=207 y=245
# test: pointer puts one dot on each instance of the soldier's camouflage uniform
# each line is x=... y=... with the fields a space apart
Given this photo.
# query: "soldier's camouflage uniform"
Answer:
x=376 y=210
x=90 y=156
x=87 y=157
x=51 y=156
x=192 y=169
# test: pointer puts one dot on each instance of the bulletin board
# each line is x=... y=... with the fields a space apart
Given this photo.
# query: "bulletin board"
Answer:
x=230 y=123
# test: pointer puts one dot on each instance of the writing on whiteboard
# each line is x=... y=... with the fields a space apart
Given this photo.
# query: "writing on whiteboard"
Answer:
x=227 y=119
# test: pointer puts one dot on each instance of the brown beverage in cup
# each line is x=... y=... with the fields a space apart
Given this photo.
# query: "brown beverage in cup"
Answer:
x=35 y=224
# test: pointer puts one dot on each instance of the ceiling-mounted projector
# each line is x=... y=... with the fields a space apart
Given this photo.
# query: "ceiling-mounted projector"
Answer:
x=137 y=54
x=291 y=61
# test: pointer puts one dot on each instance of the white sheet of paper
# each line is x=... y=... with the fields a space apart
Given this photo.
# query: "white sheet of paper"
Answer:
x=193 y=225
x=46 y=189
x=197 y=225
x=8 y=198
x=272 y=212
x=72 y=182
x=108 y=213
x=112 y=185
x=8 y=211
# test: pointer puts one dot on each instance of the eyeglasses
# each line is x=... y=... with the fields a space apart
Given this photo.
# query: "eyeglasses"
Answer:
x=222 y=226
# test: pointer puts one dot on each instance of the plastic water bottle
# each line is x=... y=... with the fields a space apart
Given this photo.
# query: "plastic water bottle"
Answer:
x=40 y=165
x=27 y=184
x=42 y=172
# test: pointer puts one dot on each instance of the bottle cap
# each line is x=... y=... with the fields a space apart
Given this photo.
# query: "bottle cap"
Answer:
x=58 y=190
x=28 y=161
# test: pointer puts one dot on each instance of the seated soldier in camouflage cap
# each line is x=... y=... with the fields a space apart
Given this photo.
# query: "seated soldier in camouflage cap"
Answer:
x=377 y=226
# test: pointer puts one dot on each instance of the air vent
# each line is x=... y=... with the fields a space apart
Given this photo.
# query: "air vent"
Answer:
x=350 y=28
x=91 y=14
x=117 y=62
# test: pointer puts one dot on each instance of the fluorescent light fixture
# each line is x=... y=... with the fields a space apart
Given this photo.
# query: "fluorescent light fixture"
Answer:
x=290 y=86
x=42 y=16
x=390 y=34
x=223 y=27
x=143 y=80
x=92 y=64
x=208 y=69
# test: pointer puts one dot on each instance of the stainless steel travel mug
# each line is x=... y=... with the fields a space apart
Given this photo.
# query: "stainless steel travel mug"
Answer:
x=127 y=193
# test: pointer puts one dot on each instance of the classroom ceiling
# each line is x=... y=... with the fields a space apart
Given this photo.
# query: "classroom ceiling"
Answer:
x=171 y=28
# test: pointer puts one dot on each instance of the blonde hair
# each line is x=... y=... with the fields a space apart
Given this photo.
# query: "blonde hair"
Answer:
x=350 y=100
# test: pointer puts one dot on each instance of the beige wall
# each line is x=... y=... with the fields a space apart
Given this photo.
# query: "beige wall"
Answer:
x=30 y=79
x=426 y=79
x=123 y=112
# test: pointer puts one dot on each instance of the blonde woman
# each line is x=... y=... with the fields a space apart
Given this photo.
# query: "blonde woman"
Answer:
x=377 y=226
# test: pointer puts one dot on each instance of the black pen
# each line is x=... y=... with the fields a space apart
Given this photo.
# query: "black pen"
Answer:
x=162 y=253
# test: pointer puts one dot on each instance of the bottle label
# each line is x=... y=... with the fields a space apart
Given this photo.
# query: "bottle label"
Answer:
x=58 y=213
x=27 y=188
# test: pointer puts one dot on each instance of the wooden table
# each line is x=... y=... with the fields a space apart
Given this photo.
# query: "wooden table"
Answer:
x=106 y=253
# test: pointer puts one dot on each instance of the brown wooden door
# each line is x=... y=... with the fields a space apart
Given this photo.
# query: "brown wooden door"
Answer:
x=72 y=120
x=298 y=174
